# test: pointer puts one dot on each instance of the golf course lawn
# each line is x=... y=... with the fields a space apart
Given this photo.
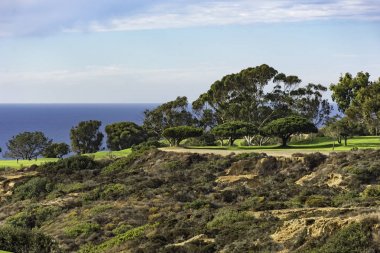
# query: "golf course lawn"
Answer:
x=26 y=163
x=322 y=144
x=317 y=144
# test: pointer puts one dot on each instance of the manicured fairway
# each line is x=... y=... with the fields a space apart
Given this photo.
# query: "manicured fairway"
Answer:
x=26 y=163
x=317 y=144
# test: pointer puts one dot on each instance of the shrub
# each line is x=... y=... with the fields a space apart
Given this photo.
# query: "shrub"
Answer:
x=225 y=217
x=354 y=238
x=372 y=191
x=113 y=191
x=148 y=145
x=34 y=188
x=68 y=165
x=25 y=240
x=82 y=228
x=317 y=201
x=33 y=217
x=314 y=160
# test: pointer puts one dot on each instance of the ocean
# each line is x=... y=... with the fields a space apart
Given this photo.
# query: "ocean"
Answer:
x=56 y=120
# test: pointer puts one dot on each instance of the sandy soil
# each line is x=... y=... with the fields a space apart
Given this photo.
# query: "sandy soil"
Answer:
x=283 y=153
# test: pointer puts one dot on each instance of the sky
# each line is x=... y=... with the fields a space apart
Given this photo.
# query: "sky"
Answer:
x=151 y=51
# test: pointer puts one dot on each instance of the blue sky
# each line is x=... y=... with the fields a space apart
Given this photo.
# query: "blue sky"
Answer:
x=128 y=51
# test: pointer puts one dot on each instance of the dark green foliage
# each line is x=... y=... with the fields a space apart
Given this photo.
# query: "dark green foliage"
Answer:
x=284 y=128
x=86 y=137
x=314 y=160
x=33 y=216
x=359 y=99
x=19 y=240
x=317 y=201
x=151 y=144
x=56 y=150
x=68 y=165
x=124 y=135
x=27 y=145
x=34 y=188
x=152 y=201
x=234 y=130
x=170 y=114
x=354 y=238
x=177 y=134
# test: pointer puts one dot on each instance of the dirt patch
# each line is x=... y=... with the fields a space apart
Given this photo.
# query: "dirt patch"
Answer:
x=234 y=178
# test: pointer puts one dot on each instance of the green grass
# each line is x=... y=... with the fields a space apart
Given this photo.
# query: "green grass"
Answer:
x=109 y=154
x=26 y=163
x=316 y=144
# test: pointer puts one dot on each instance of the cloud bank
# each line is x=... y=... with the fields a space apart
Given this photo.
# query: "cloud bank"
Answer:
x=40 y=17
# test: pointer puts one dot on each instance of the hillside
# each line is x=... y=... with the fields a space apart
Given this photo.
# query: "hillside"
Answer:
x=155 y=201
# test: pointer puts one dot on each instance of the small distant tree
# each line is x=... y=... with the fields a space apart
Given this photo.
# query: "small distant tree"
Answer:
x=124 y=135
x=339 y=129
x=234 y=130
x=86 y=137
x=56 y=150
x=284 y=128
x=27 y=145
x=177 y=134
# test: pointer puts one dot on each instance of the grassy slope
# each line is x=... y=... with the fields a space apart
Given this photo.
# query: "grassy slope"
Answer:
x=155 y=201
x=26 y=163
x=317 y=144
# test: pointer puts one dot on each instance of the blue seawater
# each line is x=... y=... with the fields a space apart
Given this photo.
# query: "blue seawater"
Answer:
x=56 y=120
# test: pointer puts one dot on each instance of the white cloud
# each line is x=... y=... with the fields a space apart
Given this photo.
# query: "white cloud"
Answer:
x=26 y=17
x=211 y=13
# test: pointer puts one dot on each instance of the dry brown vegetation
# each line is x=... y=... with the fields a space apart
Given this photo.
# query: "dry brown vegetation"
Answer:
x=155 y=201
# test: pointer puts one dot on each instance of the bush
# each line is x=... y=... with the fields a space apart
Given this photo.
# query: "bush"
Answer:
x=82 y=228
x=68 y=165
x=225 y=218
x=372 y=191
x=25 y=241
x=34 y=188
x=354 y=238
x=314 y=160
x=33 y=217
x=317 y=201
x=148 y=145
x=113 y=191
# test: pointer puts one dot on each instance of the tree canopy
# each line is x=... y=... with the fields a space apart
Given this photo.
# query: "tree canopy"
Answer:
x=284 y=128
x=56 y=150
x=170 y=114
x=245 y=96
x=123 y=135
x=359 y=99
x=86 y=137
x=234 y=130
x=177 y=134
x=27 y=145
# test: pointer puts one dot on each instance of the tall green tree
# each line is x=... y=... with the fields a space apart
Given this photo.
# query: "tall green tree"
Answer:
x=284 y=128
x=234 y=130
x=239 y=96
x=248 y=96
x=123 y=135
x=359 y=99
x=170 y=114
x=86 y=137
x=27 y=145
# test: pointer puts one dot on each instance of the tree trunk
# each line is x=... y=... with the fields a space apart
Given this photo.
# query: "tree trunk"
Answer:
x=345 y=141
x=340 y=140
x=231 y=141
x=284 y=141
